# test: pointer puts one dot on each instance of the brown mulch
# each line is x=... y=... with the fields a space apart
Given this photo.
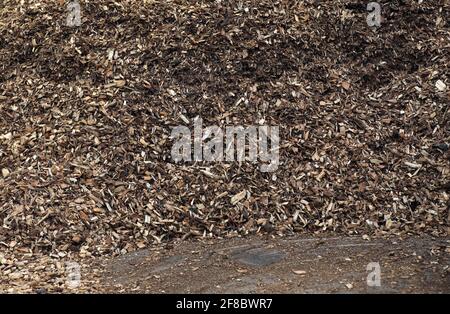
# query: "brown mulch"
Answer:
x=86 y=115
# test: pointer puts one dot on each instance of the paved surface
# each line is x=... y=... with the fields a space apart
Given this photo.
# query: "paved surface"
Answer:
x=292 y=265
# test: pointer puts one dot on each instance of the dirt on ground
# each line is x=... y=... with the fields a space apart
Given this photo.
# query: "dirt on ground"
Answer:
x=292 y=265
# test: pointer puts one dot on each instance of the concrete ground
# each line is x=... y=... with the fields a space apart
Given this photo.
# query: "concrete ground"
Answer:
x=289 y=265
